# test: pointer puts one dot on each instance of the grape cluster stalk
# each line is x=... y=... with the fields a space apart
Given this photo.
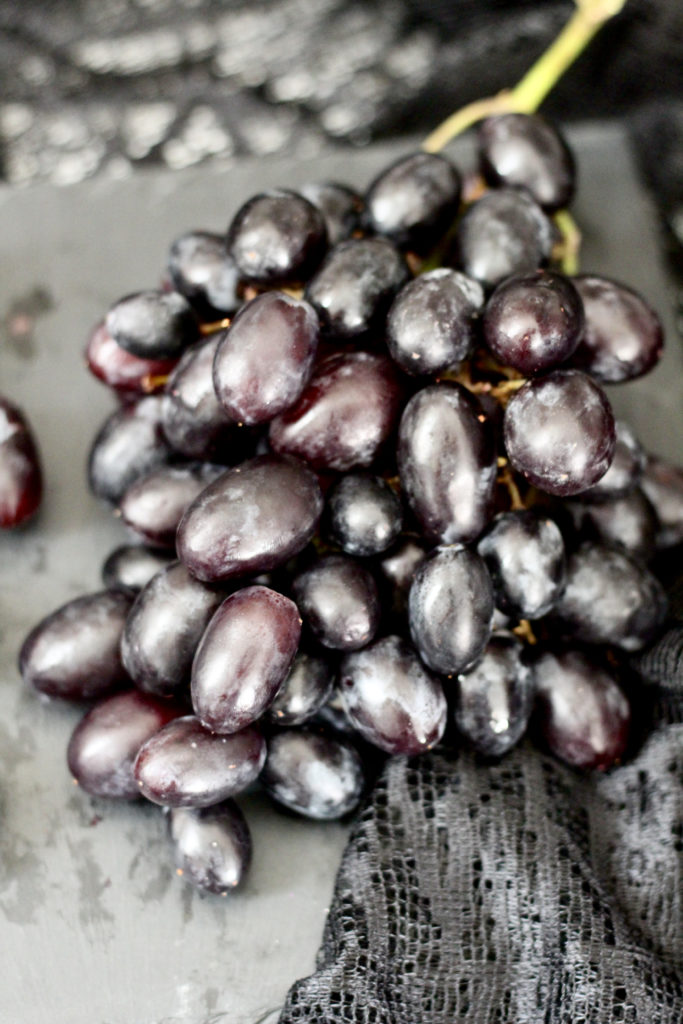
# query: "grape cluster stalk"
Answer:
x=378 y=495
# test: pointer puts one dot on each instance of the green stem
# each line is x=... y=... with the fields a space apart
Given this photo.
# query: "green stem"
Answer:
x=533 y=88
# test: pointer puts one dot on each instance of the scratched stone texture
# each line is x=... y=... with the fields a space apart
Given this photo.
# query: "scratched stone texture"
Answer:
x=94 y=926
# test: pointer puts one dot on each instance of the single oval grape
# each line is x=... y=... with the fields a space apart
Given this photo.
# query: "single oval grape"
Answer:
x=527 y=151
x=21 y=477
x=414 y=200
x=251 y=519
x=495 y=698
x=194 y=422
x=533 y=322
x=312 y=774
x=503 y=233
x=202 y=271
x=105 y=743
x=211 y=846
x=153 y=324
x=338 y=600
x=610 y=599
x=130 y=567
x=344 y=416
x=447 y=463
x=431 y=325
x=629 y=522
x=307 y=687
x=265 y=358
x=391 y=699
x=127 y=374
x=164 y=628
x=340 y=206
x=525 y=556
x=243 y=658
x=74 y=652
x=154 y=504
x=354 y=287
x=365 y=515
x=583 y=715
x=129 y=443
x=186 y=765
x=451 y=609
x=559 y=432
x=662 y=484
x=623 y=337
x=277 y=237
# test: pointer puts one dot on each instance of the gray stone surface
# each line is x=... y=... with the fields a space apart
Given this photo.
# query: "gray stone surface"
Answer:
x=94 y=926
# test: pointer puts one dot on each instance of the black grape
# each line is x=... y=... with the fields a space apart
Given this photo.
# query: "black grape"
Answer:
x=559 y=432
x=364 y=514
x=414 y=201
x=312 y=774
x=451 y=609
x=153 y=324
x=338 y=600
x=211 y=846
x=276 y=238
x=495 y=698
x=431 y=325
x=527 y=151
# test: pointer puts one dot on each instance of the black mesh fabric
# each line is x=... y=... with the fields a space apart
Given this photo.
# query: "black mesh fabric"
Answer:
x=514 y=893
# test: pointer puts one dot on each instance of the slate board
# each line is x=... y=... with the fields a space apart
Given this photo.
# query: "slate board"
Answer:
x=95 y=928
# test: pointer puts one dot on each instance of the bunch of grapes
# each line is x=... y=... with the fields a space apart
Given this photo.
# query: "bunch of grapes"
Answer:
x=379 y=496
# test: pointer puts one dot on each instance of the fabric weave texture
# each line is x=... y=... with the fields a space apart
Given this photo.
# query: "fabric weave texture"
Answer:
x=519 y=892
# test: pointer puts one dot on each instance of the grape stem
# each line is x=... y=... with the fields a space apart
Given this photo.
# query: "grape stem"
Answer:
x=215 y=325
x=532 y=89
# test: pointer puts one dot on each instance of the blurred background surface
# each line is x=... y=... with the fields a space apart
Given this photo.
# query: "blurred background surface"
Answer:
x=104 y=87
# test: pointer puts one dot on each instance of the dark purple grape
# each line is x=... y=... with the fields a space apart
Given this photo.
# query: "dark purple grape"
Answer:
x=154 y=504
x=314 y=775
x=451 y=608
x=623 y=336
x=629 y=523
x=610 y=599
x=307 y=687
x=431 y=323
x=185 y=765
x=625 y=469
x=202 y=271
x=447 y=463
x=127 y=374
x=129 y=443
x=344 y=416
x=131 y=567
x=21 y=478
x=398 y=568
x=365 y=515
x=352 y=291
x=391 y=699
x=277 y=237
x=583 y=715
x=153 y=324
x=265 y=358
x=495 y=698
x=527 y=151
x=414 y=201
x=533 y=322
x=525 y=556
x=243 y=658
x=74 y=652
x=211 y=846
x=253 y=518
x=503 y=233
x=105 y=743
x=662 y=483
x=194 y=422
x=338 y=600
x=340 y=206
x=164 y=628
x=559 y=432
